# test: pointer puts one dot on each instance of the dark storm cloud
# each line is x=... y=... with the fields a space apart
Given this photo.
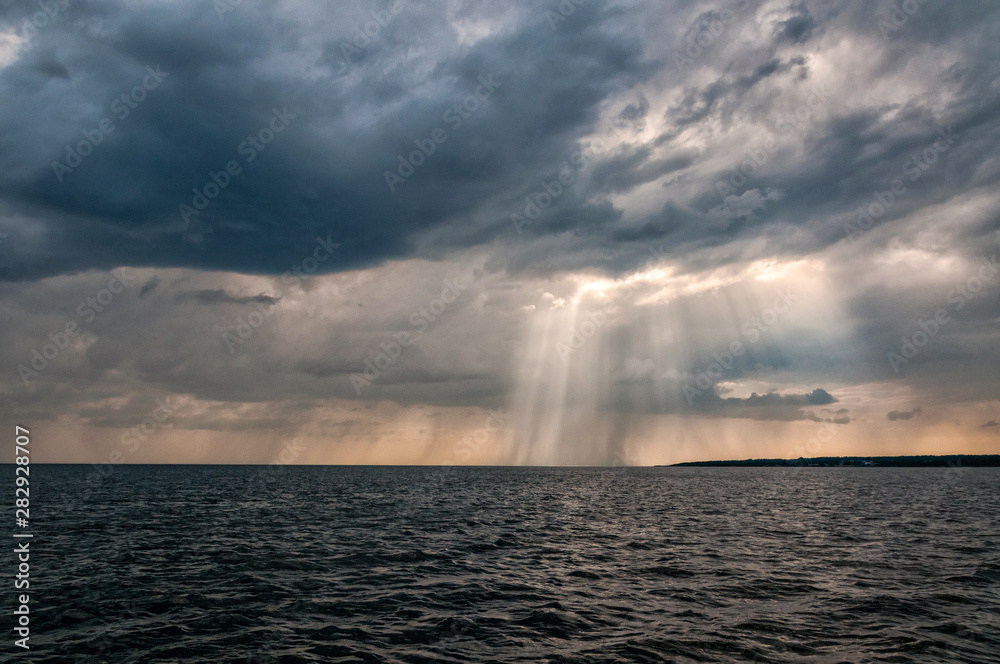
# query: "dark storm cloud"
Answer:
x=149 y=286
x=723 y=96
x=219 y=296
x=668 y=136
x=840 y=416
x=222 y=81
x=849 y=151
x=770 y=401
x=641 y=390
x=798 y=28
x=624 y=172
x=896 y=415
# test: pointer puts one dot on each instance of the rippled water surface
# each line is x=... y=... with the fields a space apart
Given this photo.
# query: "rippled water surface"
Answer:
x=349 y=564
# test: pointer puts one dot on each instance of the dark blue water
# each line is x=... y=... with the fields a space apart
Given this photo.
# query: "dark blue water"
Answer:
x=348 y=564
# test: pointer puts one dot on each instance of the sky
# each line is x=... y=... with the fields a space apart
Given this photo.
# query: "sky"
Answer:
x=595 y=232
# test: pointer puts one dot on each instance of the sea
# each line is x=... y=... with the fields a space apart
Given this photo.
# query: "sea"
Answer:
x=338 y=564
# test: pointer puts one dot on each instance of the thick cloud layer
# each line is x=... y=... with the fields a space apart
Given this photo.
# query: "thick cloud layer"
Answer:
x=815 y=182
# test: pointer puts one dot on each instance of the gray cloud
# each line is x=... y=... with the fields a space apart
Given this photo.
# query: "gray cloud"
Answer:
x=894 y=415
x=769 y=405
x=755 y=155
x=149 y=286
x=219 y=296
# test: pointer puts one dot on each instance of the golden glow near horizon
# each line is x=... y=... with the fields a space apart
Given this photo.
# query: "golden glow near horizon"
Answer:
x=761 y=235
x=597 y=380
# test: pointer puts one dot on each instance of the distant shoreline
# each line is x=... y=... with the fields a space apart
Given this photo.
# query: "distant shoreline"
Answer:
x=925 y=461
